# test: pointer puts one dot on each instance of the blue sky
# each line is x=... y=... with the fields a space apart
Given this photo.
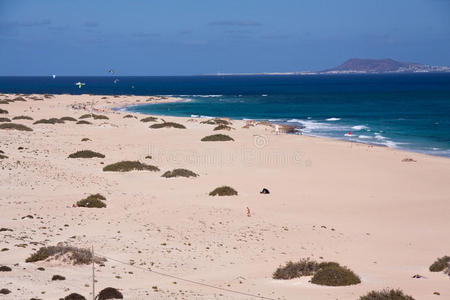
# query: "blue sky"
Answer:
x=189 y=37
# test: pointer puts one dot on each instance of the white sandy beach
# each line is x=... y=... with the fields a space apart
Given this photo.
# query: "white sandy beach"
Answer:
x=330 y=200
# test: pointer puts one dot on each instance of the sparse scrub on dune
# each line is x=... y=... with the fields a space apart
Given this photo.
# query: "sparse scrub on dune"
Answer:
x=58 y=277
x=149 y=119
x=223 y=191
x=96 y=117
x=86 y=154
x=440 y=264
x=85 y=139
x=20 y=99
x=68 y=119
x=49 y=121
x=179 y=173
x=129 y=116
x=4 y=102
x=22 y=118
x=109 y=293
x=5 y=291
x=92 y=201
x=217 y=138
x=386 y=295
x=4 y=120
x=85 y=116
x=84 y=122
x=216 y=122
x=222 y=127
x=3 y=156
x=126 y=166
x=5 y=269
x=77 y=256
x=304 y=267
x=168 y=125
x=3 y=111
x=335 y=275
x=15 y=126
x=48 y=96
x=74 y=296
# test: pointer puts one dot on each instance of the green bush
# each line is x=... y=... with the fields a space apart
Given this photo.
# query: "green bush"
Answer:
x=93 y=201
x=5 y=120
x=179 y=173
x=386 y=295
x=223 y=191
x=335 y=275
x=74 y=296
x=440 y=264
x=2 y=111
x=15 y=126
x=149 y=119
x=222 y=127
x=22 y=118
x=304 y=267
x=217 y=138
x=68 y=119
x=168 y=125
x=79 y=256
x=84 y=122
x=86 y=154
x=126 y=166
x=216 y=122
x=109 y=293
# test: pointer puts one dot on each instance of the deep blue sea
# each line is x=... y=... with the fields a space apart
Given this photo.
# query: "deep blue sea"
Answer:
x=406 y=111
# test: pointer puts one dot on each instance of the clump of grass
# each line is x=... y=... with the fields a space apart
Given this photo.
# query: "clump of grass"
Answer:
x=5 y=291
x=49 y=121
x=4 y=102
x=100 y=117
x=109 y=293
x=48 y=96
x=3 y=156
x=68 y=119
x=223 y=191
x=335 y=275
x=168 y=125
x=15 y=126
x=216 y=122
x=74 y=296
x=22 y=118
x=304 y=267
x=5 y=120
x=149 y=119
x=20 y=99
x=85 y=116
x=84 y=122
x=92 y=201
x=5 y=269
x=179 y=173
x=85 y=139
x=386 y=294
x=129 y=116
x=58 y=277
x=217 y=138
x=86 y=154
x=78 y=256
x=3 y=111
x=440 y=264
x=126 y=166
x=222 y=127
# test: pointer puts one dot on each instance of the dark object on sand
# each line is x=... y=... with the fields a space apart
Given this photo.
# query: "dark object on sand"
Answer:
x=386 y=295
x=5 y=120
x=2 y=111
x=217 y=138
x=440 y=264
x=86 y=154
x=74 y=296
x=58 y=277
x=126 y=166
x=84 y=122
x=5 y=291
x=93 y=201
x=409 y=160
x=5 y=269
x=15 y=126
x=179 y=173
x=109 y=293
x=264 y=191
x=223 y=191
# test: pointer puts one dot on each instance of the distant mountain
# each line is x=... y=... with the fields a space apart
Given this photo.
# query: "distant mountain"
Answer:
x=358 y=65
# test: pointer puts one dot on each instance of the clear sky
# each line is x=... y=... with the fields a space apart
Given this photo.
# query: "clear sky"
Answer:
x=189 y=37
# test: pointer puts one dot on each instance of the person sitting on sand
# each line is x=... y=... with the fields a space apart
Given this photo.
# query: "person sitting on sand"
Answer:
x=264 y=191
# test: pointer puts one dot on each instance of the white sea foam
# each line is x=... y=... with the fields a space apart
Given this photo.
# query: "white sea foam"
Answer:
x=359 y=127
x=365 y=136
x=194 y=116
x=333 y=119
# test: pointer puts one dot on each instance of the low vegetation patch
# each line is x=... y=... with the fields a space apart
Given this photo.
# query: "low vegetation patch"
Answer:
x=222 y=127
x=168 y=125
x=96 y=117
x=5 y=291
x=20 y=99
x=77 y=256
x=223 y=191
x=74 y=296
x=179 y=173
x=129 y=116
x=85 y=116
x=126 y=166
x=149 y=119
x=216 y=122
x=68 y=119
x=85 y=139
x=84 y=122
x=217 y=138
x=4 y=102
x=386 y=295
x=109 y=293
x=304 y=267
x=93 y=201
x=335 y=275
x=3 y=111
x=58 y=277
x=49 y=121
x=22 y=118
x=5 y=120
x=440 y=264
x=86 y=154
x=2 y=156
x=5 y=269
x=15 y=126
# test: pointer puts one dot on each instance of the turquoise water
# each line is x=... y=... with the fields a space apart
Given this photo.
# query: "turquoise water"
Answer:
x=405 y=111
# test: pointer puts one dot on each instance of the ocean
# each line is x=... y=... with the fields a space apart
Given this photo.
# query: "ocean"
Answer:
x=404 y=111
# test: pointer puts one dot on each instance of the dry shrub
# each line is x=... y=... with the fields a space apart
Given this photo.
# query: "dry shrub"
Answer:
x=85 y=116
x=5 y=120
x=168 y=125
x=85 y=139
x=216 y=122
x=84 y=122
x=129 y=116
x=78 y=256
x=5 y=291
x=222 y=127
x=68 y=119
x=49 y=121
x=20 y=99
x=100 y=117
x=5 y=269
x=179 y=173
x=304 y=267
x=109 y=293
x=217 y=138
x=440 y=264
x=386 y=295
x=223 y=191
x=86 y=154
x=2 y=111
x=58 y=277
x=93 y=201
x=126 y=166
x=14 y=126
x=22 y=118
x=3 y=156
x=149 y=119
x=4 y=102
x=74 y=296
x=335 y=275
